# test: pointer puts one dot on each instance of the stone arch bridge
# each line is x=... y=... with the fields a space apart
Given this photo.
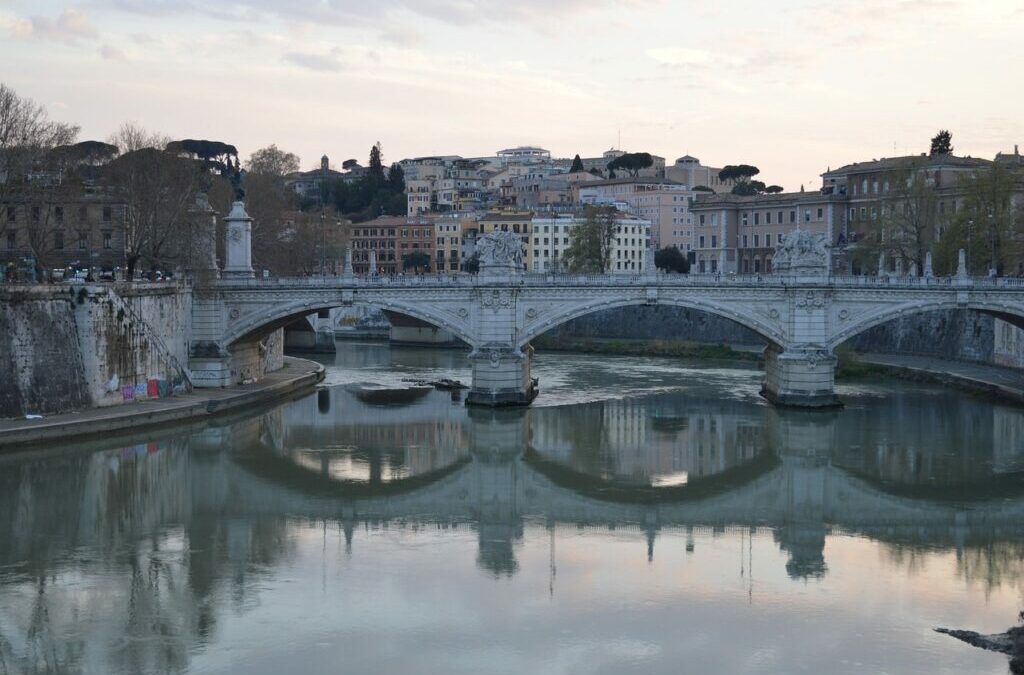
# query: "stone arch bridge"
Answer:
x=803 y=313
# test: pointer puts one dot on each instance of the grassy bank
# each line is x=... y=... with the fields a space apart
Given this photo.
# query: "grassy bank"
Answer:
x=628 y=347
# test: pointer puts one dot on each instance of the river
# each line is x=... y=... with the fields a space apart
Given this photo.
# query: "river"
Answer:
x=646 y=515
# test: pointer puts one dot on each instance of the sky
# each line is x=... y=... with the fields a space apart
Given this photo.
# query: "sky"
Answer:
x=792 y=86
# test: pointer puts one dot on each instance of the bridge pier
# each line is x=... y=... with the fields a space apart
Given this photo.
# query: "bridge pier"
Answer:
x=800 y=378
x=501 y=376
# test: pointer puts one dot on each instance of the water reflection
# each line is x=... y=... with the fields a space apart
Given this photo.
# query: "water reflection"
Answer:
x=130 y=559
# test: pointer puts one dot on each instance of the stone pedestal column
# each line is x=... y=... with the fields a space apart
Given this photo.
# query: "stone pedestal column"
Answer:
x=238 y=248
x=501 y=376
x=802 y=378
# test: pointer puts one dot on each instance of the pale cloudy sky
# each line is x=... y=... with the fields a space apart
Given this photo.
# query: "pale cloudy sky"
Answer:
x=792 y=86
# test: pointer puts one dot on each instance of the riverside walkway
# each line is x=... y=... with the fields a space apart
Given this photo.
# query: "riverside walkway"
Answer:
x=297 y=375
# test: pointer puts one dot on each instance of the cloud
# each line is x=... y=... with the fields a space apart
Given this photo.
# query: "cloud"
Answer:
x=679 y=56
x=320 y=63
x=538 y=13
x=71 y=26
x=401 y=37
x=112 y=53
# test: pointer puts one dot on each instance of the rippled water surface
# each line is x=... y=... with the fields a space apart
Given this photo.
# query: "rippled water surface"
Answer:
x=645 y=516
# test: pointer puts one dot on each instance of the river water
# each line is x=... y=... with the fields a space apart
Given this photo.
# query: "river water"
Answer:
x=644 y=516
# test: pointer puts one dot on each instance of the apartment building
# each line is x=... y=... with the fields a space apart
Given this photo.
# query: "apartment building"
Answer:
x=391 y=238
x=689 y=171
x=663 y=202
x=552 y=234
x=738 y=235
x=81 y=231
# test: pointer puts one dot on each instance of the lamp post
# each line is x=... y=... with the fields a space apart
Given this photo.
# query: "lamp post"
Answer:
x=970 y=230
x=992 y=236
x=323 y=240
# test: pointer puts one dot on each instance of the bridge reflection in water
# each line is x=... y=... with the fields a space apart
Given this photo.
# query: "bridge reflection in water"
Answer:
x=187 y=516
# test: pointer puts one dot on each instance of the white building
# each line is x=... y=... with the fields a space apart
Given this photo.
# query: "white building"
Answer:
x=552 y=235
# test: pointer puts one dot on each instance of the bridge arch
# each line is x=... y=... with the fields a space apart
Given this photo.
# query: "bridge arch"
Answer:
x=263 y=320
x=549 y=320
x=1010 y=313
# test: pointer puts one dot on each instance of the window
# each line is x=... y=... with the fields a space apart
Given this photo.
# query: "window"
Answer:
x=701 y=245
x=768 y=218
x=757 y=265
x=107 y=214
x=792 y=216
x=36 y=214
x=853 y=213
x=757 y=240
x=757 y=218
x=107 y=243
x=743 y=218
x=714 y=219
x=714 y=241
x=11 y=240
x=12 y=213
x=58 y=240
x=744 y=242
x=58 y=214
x=807 y=215
x=83 y=241
x=778 y=238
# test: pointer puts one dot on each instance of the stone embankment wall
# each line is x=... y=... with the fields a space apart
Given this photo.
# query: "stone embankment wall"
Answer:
x=961 y=335
x=67 y=347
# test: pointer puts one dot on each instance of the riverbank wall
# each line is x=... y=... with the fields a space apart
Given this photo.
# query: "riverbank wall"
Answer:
x=959 y=335
x=67 y=347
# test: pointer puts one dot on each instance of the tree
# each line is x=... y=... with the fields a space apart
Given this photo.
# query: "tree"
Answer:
x=774 y=189
x=577 y=165
x=417 y=261
x=349 y=164
x=671 y=259
x=88 y=153
x=908 y=219
x=632 y=162
x=27 y=139
x=702 y=188
x=158 y=189
x=942 y=143
x=272 y=161
x=280 y=241
x=376 y=167
x=472 y=264
x=987 y=225
x=590 y=243
x=738 y=172
x=396 y=178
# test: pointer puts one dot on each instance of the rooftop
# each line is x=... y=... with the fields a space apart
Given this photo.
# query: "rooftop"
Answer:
x=906 y=162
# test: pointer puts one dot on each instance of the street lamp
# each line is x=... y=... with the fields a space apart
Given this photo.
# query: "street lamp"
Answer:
x=992 y=236
x=970 y=230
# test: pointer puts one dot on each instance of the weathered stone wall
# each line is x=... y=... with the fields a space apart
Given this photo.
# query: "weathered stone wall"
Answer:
x=68 y=347
x=41 y=369
x=659 y=322
x=961 y=335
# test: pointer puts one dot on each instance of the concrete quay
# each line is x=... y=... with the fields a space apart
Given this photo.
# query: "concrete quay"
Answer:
x=997 y=381
x=297 y=376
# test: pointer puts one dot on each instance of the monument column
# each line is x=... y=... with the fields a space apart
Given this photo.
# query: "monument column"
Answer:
x=238 y=247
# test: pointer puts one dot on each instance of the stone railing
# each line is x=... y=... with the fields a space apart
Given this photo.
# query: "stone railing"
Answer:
x=619 y=280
